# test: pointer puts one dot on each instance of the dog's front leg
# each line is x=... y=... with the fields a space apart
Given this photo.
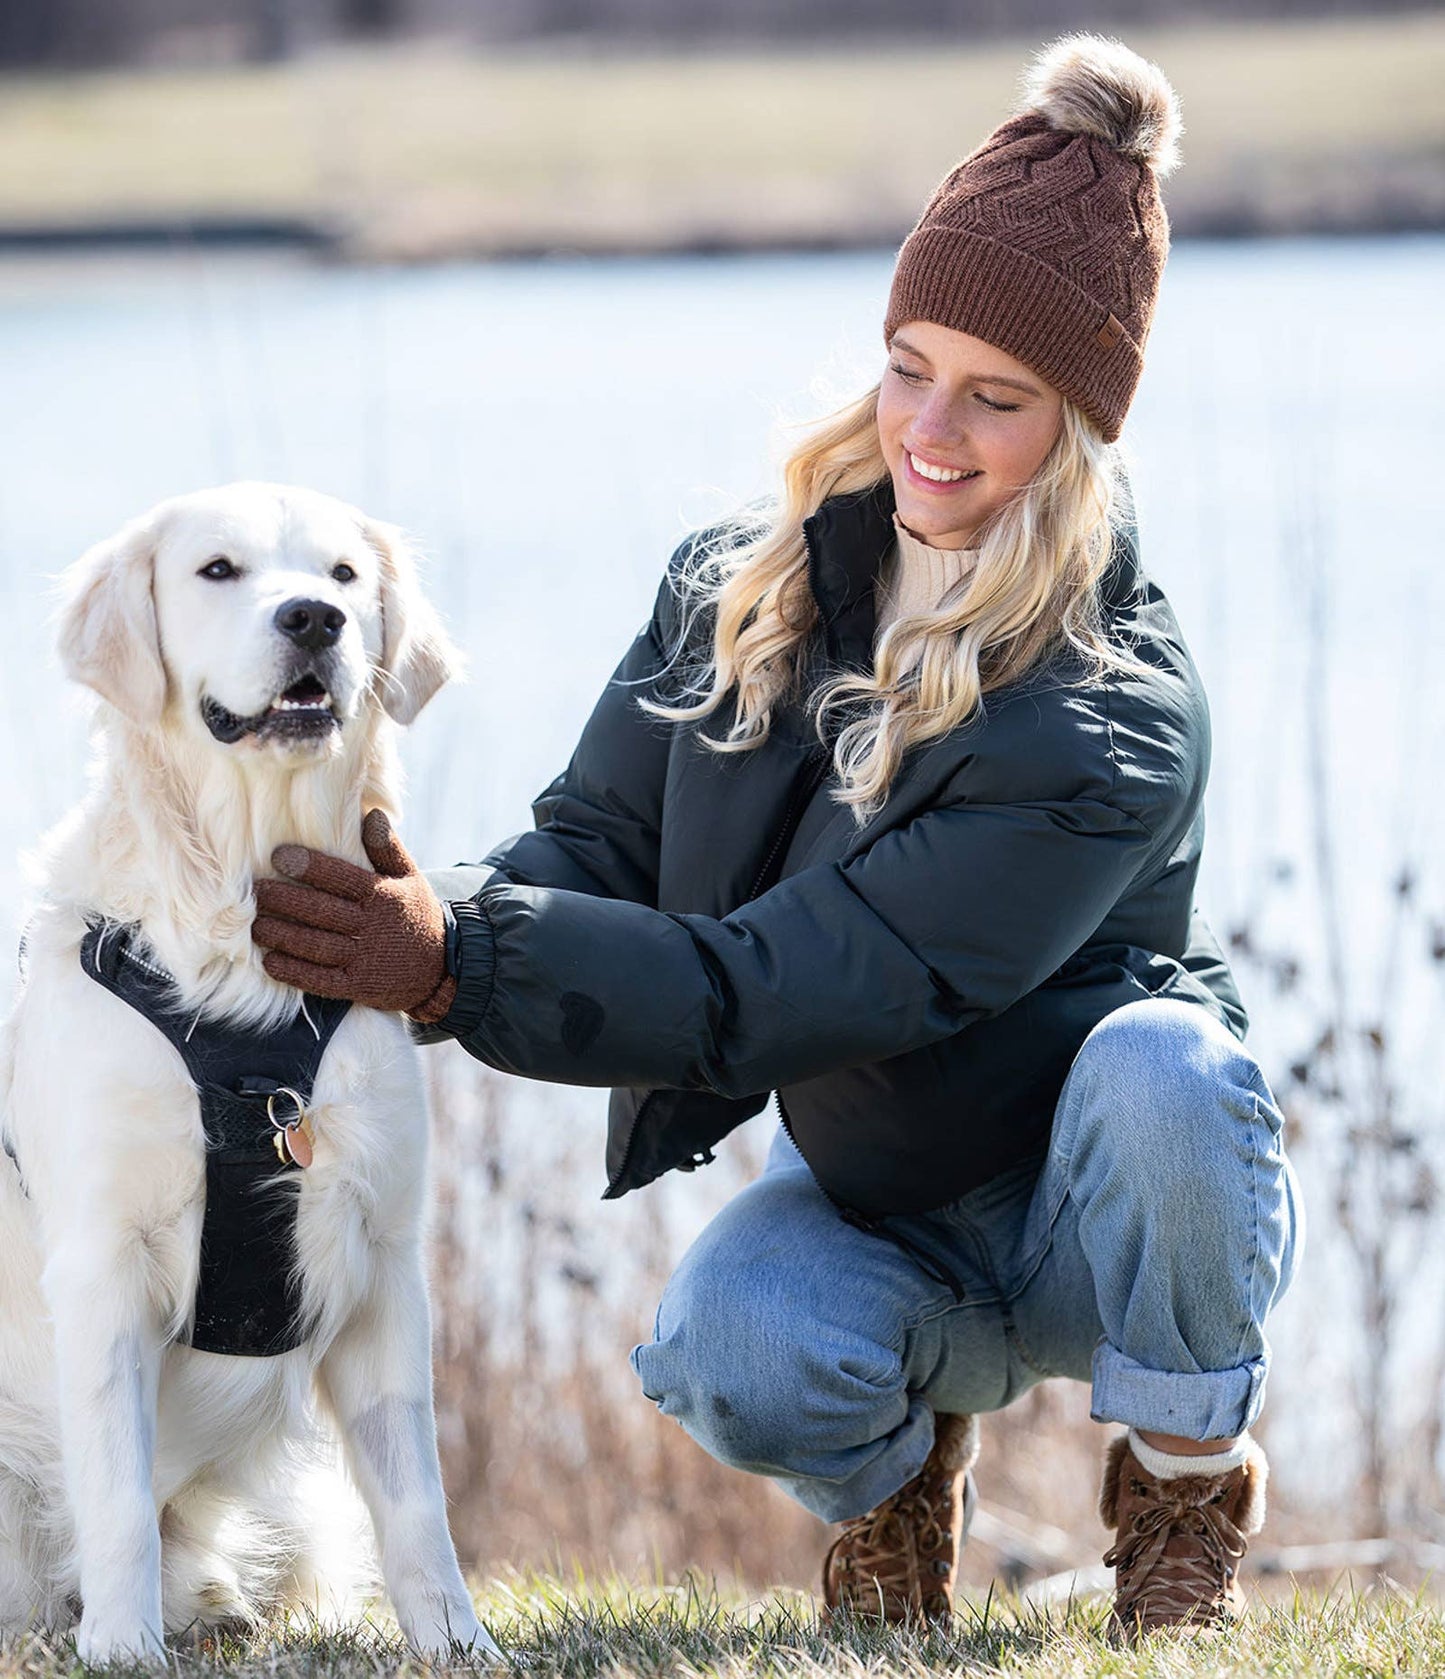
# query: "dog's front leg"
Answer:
x=108 y=1358
x=376 y=1377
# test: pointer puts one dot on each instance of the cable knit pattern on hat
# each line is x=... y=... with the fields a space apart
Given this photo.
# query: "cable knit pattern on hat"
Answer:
x=1049 y=240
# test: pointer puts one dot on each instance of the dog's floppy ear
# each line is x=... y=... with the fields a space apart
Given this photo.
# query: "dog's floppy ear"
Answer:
x=417 y=656
x=109 y=639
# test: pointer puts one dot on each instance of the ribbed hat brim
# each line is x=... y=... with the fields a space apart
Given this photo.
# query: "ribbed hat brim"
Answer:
x=1004 y=296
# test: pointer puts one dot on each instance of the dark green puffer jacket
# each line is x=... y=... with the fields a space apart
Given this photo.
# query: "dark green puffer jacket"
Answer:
x=698 y=929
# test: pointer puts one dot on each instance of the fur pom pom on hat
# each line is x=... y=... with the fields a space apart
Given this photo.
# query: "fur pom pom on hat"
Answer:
x=1050 y=239
x=1085 y=84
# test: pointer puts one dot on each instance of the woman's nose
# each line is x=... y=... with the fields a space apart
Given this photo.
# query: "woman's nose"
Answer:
x=941 y=421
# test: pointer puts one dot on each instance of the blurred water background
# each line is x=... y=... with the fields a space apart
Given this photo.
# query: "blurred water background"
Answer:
x=549 y=430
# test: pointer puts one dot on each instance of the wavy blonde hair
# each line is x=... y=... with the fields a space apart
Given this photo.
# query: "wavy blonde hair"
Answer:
x=1032 y=592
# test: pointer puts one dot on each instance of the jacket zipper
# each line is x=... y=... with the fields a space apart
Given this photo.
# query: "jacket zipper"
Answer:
x=626 y=1159
x=925 y=1261
x=792 y=816
x=817 y=761
x=816 y=767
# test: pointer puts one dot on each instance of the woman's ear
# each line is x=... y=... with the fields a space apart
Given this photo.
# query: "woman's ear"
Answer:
x=417 y=656
x=109 y=639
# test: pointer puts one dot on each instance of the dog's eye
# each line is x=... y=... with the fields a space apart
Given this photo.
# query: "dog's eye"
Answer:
x=343 y=573
x=218 y=570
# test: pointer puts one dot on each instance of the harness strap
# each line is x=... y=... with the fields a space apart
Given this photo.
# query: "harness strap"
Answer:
x=248 y=1297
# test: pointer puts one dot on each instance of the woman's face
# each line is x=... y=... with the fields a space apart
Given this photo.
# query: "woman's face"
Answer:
x=963 y=428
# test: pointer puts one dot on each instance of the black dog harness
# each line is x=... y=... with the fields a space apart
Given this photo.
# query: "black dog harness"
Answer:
x=251 y=1085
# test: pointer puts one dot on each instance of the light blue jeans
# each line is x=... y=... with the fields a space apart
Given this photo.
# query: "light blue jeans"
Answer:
x=1143 y=1256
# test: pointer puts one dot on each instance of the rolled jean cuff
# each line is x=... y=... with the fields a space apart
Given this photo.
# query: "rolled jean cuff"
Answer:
x=1209 y=1405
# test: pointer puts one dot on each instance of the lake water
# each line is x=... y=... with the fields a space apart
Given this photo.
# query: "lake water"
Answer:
x=549 y=430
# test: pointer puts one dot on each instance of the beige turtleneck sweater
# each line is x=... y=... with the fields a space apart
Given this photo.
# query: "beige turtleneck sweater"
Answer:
x=915 y=577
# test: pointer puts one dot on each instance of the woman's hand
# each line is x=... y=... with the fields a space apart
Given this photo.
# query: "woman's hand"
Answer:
x=337 y=930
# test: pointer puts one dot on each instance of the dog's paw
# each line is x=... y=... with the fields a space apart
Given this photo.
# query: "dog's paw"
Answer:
x=103 y=1641
x=457 y=1637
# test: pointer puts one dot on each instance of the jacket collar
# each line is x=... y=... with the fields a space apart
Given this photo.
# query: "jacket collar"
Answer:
x=848 y=539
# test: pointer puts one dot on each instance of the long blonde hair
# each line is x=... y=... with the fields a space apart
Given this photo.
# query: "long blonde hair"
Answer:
x=1032 y=592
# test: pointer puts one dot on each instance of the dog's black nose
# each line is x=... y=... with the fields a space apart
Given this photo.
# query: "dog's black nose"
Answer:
x=312 y=624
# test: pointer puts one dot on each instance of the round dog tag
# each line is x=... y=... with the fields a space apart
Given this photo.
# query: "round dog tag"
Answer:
x=293 y=1136
x=297 y=1145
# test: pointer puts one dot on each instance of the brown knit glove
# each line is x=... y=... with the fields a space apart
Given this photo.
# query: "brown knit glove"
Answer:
x=337 y=930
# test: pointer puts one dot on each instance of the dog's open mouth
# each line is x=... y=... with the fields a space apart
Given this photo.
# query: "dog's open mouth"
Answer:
x=303 y=712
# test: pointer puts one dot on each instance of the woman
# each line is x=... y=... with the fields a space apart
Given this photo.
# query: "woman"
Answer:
x=895 y=808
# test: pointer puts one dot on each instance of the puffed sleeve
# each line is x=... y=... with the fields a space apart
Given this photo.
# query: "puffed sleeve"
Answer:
x=938 y=924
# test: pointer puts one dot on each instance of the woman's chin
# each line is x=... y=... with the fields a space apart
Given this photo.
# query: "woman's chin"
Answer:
x=937 y=529
x=942 y=519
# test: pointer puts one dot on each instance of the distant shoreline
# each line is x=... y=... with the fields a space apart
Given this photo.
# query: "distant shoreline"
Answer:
x=330 y=243
x=431 y=153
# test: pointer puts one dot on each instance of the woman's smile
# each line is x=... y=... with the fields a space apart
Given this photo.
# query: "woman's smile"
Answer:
x=934 y=475
x=963 y=426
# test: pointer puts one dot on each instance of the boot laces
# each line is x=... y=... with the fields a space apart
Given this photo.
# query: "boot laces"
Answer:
x=878 y=1560
x=1155 y=1586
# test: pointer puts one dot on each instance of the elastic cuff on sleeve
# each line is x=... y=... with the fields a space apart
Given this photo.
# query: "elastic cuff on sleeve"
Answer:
x=472 y=958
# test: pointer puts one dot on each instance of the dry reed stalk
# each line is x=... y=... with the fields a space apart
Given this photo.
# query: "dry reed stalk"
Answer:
x=551 y=1454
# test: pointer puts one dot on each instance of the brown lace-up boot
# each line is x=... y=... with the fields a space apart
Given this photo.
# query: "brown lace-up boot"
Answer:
x=1178 y=1542
x=900 y=1561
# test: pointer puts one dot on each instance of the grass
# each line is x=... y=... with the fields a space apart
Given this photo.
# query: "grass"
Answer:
x=432 y=150
x=691 y=1630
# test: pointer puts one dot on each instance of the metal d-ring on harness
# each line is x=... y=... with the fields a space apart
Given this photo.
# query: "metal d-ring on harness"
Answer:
x=254 y=1088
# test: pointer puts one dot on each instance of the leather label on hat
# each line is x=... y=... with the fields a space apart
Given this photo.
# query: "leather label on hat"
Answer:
x=1110 y=333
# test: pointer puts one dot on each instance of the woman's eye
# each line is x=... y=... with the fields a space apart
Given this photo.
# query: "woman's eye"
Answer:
x=343 y=573
x=905 y=373
x=997 y=407
x=218 y=570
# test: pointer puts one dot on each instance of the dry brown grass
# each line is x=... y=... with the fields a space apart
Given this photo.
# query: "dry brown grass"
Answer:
x=436 y=151
x=552 y=1457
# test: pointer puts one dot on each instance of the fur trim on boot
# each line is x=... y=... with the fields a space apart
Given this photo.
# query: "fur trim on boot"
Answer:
x=899 y=1563
x=1178 y=1541
x=1250 y=1518
x=955 y=1441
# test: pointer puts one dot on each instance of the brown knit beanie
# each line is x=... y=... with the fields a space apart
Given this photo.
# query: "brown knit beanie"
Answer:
x=1049 y=240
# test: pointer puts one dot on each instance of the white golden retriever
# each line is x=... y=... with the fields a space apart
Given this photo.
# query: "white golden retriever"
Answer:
x=253 y=647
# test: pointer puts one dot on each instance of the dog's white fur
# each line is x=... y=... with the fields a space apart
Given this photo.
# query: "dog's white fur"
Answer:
x=142 y=1483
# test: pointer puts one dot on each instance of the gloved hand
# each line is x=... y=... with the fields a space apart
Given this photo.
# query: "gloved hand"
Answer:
x=337 y=930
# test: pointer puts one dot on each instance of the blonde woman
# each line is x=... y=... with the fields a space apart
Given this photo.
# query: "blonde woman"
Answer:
x=894 y=808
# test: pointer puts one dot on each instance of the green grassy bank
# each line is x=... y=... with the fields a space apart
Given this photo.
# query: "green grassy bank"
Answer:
x=548 y=1628
x=439 y=151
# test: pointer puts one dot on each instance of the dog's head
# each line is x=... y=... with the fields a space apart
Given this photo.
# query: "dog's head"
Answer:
x=260 y=616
